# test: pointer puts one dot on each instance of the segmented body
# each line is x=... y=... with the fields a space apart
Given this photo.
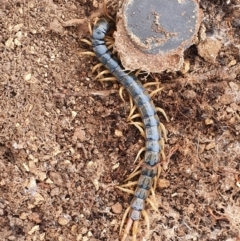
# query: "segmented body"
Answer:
x=148 y=113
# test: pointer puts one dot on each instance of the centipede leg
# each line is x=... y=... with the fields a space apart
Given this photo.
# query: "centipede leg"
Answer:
x=132 y=175
x=112 y=79
x=102 y=73
x=105 y=9
x=163 y=113
x=154 y=92
x=139 y=126
x=88 y=53
x=134 y=116
x=153 y=194
x=130 y=184
x=97 y=66
x=146 y=219
x=132 y=109
x=152 y=205
x=163 y=130
x=125 y=190
x=121 y=93
x=124 y=218
x=127 y=229
x=135 y=230
x=86 y=41
x=135 y=172
x=139 y=153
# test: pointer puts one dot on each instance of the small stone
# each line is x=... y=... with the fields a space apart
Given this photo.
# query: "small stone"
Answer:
x=208 y=49
x=63 y=221
x=9 y=43
x=56 y=178
x=189 y=94
x=34 y=217
x=95 y=183
x=17 y=42
x=23 y=216
x=80 y=134
x=118 y=133
x=232 y=63
x=56 y=26
x=234 y=86
x=27 y=77
x=55 y=192
x=210 y=146
x=117 y=208
x=38 y=199
x=95 y=3
x=170 y=93
x=33 y=230
x=186 y=66
x=74 y=114
x=17 y=27
x=208 y=121
x=163 y=183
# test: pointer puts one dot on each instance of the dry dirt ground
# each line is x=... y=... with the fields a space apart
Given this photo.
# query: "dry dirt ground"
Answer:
x=65 y=142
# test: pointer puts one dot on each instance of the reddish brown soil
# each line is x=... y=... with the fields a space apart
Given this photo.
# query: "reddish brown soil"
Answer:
x=65 y=142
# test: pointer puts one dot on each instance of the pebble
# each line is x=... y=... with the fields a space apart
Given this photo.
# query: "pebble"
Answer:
x=80 y=134
x=63 y=220
x=117 y=208
x=210 y=146
x=163 y=183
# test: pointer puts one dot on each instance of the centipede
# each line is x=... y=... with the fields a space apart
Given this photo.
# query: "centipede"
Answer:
x=150 y=169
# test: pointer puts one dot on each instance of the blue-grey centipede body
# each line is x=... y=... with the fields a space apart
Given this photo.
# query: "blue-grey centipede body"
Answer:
x=148 y=113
